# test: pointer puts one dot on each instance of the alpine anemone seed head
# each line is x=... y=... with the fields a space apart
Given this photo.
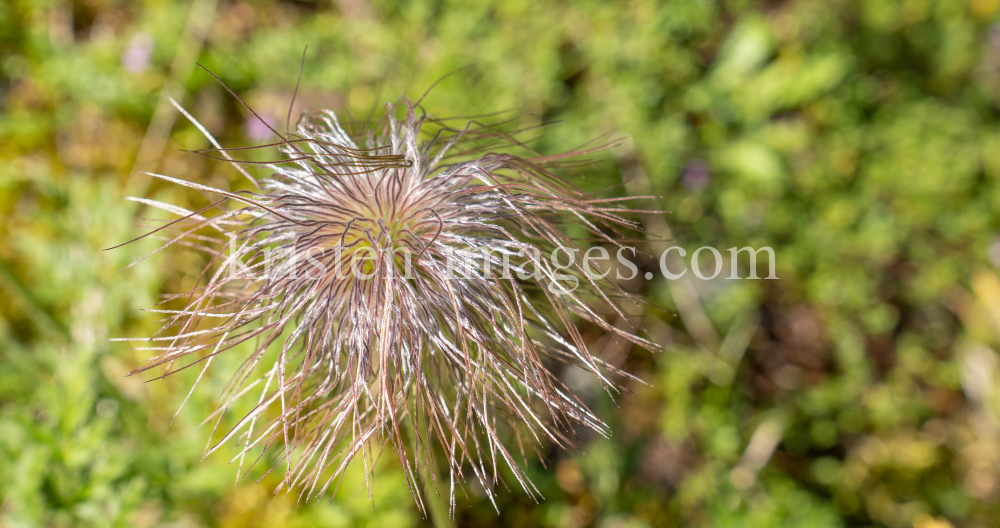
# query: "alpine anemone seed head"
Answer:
x=405 y=285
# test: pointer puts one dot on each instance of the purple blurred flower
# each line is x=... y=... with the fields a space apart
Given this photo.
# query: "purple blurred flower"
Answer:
x=696 y=175
x=136 y=57
x=994 y=253
x=256 y=130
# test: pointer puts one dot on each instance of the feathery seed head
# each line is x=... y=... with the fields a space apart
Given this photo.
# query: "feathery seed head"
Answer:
x=395 y=287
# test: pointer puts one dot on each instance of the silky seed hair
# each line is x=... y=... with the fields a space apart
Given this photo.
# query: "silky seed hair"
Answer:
x=405 y=286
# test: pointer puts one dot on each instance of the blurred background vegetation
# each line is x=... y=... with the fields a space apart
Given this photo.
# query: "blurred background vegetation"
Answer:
x=858 y=138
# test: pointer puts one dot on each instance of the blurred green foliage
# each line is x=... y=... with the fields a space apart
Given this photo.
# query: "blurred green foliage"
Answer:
x=858 y=138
